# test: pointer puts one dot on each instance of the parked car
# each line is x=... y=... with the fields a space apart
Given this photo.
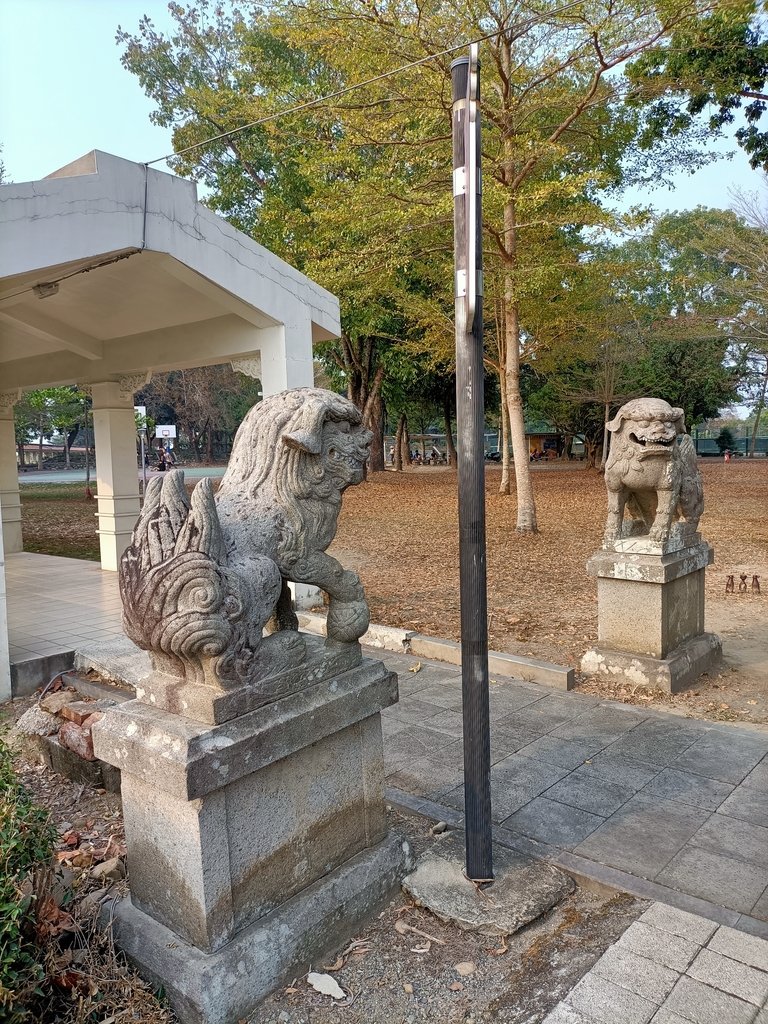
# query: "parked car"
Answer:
x=493 y=456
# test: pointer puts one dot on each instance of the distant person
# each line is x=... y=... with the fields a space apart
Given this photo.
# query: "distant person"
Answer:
x=727 y=454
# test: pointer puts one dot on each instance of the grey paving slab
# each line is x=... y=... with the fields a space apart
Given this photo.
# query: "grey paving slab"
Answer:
x=691 y=789
x=555 y=750
x=644 y=835
x=760 y=909
x=564 y=1014
x=602 y=725
x=738 y=979
x=451 y=723
x=442 y=694
x=759 y=774
x=545 y=714
x=749 y=801
x=723 y=880
x=728 y=757
x=582 y=789
x=624 y=771
x=665 y=1016
x=679 y=922
x=609 y=1003
x=673 y=951
x=426 y=777
x=629 y=970
x=415 y=742
x=657 y=741
x=703 y=1004
x=508 y=740
x=732 y=837
x=553 y=823
x=413 y=710
x=509 y=697
x=392 y=726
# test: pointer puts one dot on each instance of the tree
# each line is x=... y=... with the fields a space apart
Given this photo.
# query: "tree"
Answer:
x=43 y=413
x=200 y=401
x=725 y=440
x=716 y=64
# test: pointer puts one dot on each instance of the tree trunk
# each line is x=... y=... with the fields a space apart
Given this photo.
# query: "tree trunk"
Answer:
x=606 y=435
x=40 y=448
x=591 y=450
x=398 y=460
x=758 y=411
x=405 y=442
x=450 y=447
x=377 y=462
x=66 y=451
x=526 y=505
x=505 y=485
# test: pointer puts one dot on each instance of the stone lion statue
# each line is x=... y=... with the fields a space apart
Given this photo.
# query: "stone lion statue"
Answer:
x=651 y=470
x=202 y=579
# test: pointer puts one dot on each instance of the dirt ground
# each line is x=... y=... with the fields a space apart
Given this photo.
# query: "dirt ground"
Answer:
x=400 y=532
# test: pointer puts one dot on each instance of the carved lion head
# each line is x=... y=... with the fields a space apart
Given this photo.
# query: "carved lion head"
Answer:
x=648 y=427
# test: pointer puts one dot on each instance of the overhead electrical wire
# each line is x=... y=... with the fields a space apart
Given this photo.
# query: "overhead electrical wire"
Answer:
x=361 y=85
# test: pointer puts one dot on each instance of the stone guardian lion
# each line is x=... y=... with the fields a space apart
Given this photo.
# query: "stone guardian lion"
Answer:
x=651 y=470
x=202 y=579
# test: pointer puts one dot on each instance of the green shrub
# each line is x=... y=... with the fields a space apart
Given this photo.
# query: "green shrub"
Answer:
x=26 y=842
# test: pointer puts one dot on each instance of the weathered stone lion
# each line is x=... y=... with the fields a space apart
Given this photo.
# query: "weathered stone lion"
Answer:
x=651 y=469
x=201 y=580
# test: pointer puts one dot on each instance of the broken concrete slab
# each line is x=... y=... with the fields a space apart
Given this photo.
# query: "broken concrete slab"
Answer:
x=523 y=889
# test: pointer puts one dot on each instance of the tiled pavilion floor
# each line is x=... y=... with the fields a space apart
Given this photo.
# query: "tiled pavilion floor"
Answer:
x=668 y=808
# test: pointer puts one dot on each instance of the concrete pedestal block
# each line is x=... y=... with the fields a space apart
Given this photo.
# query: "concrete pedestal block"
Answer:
x=224 y=987
x=650 y=608
x=227 y=825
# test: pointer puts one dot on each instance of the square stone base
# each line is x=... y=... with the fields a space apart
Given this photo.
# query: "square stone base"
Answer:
x=679 y=670
x=225 y=986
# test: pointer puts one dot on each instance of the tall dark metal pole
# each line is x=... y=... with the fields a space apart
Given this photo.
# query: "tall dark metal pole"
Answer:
x=470 y=415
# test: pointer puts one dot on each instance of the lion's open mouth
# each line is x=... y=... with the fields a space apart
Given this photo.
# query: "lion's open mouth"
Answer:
x=652 y=443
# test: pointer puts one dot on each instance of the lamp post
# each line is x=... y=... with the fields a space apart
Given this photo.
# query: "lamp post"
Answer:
x=470 y=416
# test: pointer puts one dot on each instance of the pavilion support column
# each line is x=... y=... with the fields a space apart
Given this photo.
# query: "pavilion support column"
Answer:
x=114 y=428
x=10 y=502
x=286 y=356
x=286 y=362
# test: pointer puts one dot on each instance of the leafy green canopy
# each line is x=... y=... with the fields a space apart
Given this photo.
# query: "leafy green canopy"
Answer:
x=718 y=64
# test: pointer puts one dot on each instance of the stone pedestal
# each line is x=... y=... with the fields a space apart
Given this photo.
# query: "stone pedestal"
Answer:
x=650 y=607
x=254 y=844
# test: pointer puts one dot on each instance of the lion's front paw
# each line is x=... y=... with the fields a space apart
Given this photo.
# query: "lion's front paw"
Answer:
x=657 y=534
x=347 y=620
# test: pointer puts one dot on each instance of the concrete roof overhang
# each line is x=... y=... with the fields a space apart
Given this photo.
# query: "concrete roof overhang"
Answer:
x=109 y=268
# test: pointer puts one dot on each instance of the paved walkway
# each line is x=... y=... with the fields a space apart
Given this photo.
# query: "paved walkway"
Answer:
x=667 y=808
x=673 y=968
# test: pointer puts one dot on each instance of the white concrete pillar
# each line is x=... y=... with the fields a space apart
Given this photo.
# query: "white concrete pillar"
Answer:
x=114 y=428
x=286 y=356
x=286 y=362
x=10 y=502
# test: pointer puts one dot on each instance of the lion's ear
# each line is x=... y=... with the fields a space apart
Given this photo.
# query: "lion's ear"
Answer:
x=304 y=441
x=678 y=417
x=308 y=433
x=616 y=422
